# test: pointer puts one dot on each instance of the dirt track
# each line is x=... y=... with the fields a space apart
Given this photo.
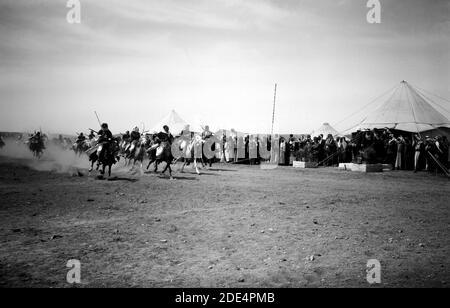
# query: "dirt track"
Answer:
x=233 y=226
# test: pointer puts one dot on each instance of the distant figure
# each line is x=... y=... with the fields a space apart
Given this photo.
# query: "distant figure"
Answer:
x=2 y=143
x=81 y=138
x=36 y=144
x=399 y=158
x=282 y=160
x=206 y=133
x=91 y=135
x=233 y=145
x=126 y=136
x=418 y=151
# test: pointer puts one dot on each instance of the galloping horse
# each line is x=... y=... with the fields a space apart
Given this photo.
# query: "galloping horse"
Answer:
x=107 y=159
x=139 y=152
x=163 y=153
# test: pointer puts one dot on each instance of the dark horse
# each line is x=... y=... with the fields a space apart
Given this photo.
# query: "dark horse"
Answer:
x=108 y=158
x=163 y=153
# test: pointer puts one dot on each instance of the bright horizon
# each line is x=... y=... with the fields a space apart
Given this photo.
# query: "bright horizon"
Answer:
x=135 y=61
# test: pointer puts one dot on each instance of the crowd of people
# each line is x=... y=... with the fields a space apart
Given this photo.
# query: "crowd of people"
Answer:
x=404 y=151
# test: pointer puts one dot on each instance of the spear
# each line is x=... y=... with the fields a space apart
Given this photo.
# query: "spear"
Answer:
x=98 y=119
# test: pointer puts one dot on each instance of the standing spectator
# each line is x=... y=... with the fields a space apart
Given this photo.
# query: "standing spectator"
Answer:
x=418 y=152
x=391 y=151
x=400 y=148
x=408 y=154
x=282 y=151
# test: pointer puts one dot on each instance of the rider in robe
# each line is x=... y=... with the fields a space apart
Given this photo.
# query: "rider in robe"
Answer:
x=104 y=140
x=81 y=138
x=134 y=139
x=126 y=136
x=38 y=140
x=91 y=135
x=166 y=135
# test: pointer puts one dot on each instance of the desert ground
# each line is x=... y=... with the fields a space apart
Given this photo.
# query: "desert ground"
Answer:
x=231 y=226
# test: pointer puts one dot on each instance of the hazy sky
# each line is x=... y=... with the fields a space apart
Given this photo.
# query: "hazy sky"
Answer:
x=133 y=61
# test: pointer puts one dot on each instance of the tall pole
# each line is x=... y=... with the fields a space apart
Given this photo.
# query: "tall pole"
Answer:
x=273 y=112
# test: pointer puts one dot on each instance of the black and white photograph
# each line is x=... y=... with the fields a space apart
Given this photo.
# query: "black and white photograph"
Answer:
x=240 y=146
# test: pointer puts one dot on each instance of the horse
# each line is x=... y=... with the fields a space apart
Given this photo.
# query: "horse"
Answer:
x=2 y=143
x=139 y=153
x=163 y=153
x=107 y=159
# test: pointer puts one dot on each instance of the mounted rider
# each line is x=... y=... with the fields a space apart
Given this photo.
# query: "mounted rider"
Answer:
x=134 y=140
x=163 y=136
x=91 y=135
x=126 y=136
x=81 y=138
x=104 y=139
x=36 y=143
x=37 y=138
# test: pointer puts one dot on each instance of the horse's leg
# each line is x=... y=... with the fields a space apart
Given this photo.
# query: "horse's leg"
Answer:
x=109 y=170
x=170 y=171
x=182 y=167
x=168 y=167
x=156 y=166
x=196 y=167
x=149 y=163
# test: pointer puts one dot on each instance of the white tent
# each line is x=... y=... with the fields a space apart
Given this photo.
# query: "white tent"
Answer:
x=173 y=120
x=406 y=110
x=325 y=130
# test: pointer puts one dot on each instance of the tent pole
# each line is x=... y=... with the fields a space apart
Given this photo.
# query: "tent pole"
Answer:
x=273 y=111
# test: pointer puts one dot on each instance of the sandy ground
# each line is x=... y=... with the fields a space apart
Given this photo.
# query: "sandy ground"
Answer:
x=232 y=226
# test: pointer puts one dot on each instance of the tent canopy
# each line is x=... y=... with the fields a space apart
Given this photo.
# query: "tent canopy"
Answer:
x=325 y=129
x=173 y=120
x=405 y=110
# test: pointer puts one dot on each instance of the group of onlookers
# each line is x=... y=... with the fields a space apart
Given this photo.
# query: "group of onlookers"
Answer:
x=404 y=151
